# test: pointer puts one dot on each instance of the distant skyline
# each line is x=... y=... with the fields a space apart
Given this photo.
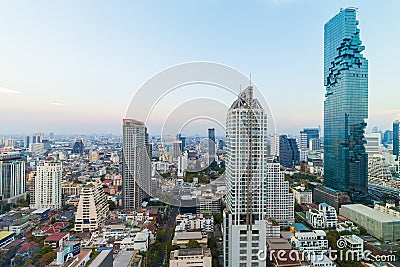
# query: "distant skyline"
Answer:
x=73 y=67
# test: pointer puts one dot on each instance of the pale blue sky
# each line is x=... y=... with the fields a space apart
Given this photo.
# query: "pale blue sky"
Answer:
x=77 y=64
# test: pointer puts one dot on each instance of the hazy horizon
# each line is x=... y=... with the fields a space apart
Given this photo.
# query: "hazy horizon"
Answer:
x=73 y=67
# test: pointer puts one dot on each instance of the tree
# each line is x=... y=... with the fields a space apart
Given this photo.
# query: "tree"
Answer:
x=53 y=220
x=174 y=247
x=193 y=244
x=160 y=234
x=18 y=260
x=297 y=207
x=47 y=258
x=332 y=237
x=218 y=218
x=363 y=230
x=111 y=205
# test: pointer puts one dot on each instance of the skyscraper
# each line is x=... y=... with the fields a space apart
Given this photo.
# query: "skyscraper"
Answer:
x=305 y=135
x=136 y=171
x=37 y=137
x=346 y=104
x=289 y=154
x=387 y=137
x=47 y=191
x=211 y=146
x=255 y=188
x=176 y=150
x=181 y=138
x=396 y=138
x=12 y=176
x=78 y=147
x=274 y=141
x=27 y=141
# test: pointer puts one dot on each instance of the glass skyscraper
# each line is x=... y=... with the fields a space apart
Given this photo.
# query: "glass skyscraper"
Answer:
x=396 y=138
x=346 y=104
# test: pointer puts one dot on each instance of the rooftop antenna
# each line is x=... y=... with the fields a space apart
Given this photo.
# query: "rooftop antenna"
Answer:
x=250 y=79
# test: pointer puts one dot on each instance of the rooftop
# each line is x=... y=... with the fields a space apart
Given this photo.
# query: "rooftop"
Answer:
x=188 y=235
x=278 y=243
x=193 y=252
x=300 y=227
x=40 y=211
x=5 y=234
x=56 y=236
x=81 y=256
x=352 y=239
x=123 y=258
x=371 y=213
x=100 y=258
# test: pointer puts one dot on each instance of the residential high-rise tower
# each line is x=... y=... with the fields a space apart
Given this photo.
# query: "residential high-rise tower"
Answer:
x=12 y=176
x=47 y=191
x=136 y=168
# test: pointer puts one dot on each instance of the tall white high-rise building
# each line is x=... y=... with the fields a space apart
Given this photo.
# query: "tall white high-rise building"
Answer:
x=12 y=177
x=182 y=164
x=136 y=166
x=303 y=146
x=255 y=187
x=274 y=140
x=176 y=150
x=47 y=191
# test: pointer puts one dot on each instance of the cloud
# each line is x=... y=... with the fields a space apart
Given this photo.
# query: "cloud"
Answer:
x=4 y=90
x=57 y=104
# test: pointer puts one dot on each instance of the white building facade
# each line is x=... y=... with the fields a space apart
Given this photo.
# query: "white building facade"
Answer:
x=313 y=241
x=92 y=208
x=323 y=218
x=47 y=191
x=255 y=188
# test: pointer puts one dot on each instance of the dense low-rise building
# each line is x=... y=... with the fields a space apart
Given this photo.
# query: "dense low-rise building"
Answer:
x=6 y=237
x=310 y=241
x=182 y=239
x=56 y=240
x=191 y=257
x=330 y=196
x=190 y=222
x=323 y=218
x=208 y=203
x=70 y=189
x=353 y=243
x=302 y=195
